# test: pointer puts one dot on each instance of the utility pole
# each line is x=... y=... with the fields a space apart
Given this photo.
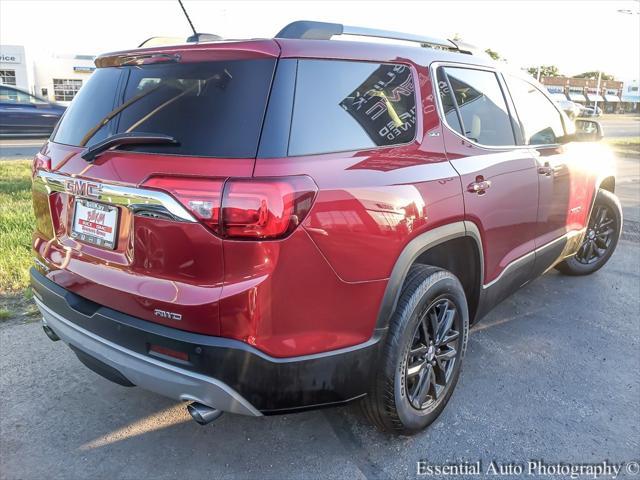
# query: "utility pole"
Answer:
x=538 y=78
x=595 y=106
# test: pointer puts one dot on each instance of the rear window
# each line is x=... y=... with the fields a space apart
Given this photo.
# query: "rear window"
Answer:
x=212 y=109
x=343 y=105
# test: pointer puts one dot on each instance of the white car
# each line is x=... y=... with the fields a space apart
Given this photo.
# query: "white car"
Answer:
x=572 y=109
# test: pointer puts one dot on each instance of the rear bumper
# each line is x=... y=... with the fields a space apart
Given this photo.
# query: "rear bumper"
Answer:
x=146 y=372
x=222 y=373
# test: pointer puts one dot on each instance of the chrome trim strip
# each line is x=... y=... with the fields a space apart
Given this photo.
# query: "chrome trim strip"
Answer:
x=510 y=266
x=149 y=373
x=135 y=199
x=567 y=236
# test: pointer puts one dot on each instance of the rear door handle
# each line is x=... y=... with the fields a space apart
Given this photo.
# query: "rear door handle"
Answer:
x=546 y=170
x=480 y=186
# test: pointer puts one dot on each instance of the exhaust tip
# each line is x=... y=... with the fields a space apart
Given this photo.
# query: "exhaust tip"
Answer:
x=50 y=333
x=203 y=414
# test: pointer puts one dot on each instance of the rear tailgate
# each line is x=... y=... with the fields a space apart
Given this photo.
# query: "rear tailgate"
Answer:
x=104 y=229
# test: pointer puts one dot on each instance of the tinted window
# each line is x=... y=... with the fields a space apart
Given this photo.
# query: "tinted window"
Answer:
x=211 y=109
x=542 y=122
x=485 y=117
x=92 y=103
x=343 y=105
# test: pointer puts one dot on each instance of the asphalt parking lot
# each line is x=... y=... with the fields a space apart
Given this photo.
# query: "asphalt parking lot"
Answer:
x=552 y=374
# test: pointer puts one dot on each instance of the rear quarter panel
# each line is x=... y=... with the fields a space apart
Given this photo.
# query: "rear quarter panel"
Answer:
x=371 y=203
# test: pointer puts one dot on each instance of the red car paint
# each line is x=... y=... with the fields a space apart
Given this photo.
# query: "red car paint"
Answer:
x=320 y=288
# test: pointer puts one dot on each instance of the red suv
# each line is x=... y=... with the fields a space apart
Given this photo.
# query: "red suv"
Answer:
x=269 y=226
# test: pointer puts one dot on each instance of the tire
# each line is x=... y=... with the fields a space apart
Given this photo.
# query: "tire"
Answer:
x=396 y=403
x=602 y=234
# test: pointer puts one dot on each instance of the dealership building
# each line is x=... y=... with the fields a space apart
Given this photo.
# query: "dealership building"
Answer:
x=55 y=77
x=612 y=96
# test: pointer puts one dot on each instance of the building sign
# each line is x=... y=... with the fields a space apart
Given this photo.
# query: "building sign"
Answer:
x=84 y=69
x=611 y=95
x=593 y=95
x=555 y=88
x=10 y=58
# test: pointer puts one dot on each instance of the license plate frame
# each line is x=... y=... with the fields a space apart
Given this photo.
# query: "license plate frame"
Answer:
x=100 y=225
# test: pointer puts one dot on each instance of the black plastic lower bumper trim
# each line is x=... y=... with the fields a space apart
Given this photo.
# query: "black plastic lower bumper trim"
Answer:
x=272 y=385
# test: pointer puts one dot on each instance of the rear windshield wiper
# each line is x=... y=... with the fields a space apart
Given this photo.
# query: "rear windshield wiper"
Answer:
x=131 y=138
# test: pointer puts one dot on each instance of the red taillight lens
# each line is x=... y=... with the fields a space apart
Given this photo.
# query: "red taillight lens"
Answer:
x=266 y=208
x=253 y=208
x=40 y=162
x=201 y=196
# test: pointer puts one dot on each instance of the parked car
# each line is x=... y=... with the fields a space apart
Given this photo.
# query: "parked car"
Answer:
x=24 y=114
x=591 y=112
x=270 y=226
x=572 y=109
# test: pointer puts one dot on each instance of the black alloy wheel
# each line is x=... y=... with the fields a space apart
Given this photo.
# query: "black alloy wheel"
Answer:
x=598 y=238
x=431 y=359
x=422 y=354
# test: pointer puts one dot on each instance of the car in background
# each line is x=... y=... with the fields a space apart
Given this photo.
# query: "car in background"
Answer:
x=24 y=114
x=572 y=109
x=591 y=112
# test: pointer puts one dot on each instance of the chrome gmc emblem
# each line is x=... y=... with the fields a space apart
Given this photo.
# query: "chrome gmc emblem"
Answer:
x=83 y=188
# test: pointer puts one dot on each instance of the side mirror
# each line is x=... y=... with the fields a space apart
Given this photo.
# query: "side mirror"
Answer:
x=588 y=131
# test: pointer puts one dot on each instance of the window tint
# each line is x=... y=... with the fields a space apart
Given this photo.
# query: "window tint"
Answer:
x=341 y=105
x=211 y=109
x=485 y=117
x=92 y=103
x=541 y=120
x=448 y=103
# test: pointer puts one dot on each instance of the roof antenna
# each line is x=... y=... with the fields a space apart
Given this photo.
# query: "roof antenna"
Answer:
x=196 y=37
x=195 y=34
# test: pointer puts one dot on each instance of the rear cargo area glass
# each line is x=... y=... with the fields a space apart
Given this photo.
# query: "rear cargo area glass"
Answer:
x=212 y=109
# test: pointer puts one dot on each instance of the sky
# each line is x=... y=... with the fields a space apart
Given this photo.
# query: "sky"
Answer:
x=575 y=35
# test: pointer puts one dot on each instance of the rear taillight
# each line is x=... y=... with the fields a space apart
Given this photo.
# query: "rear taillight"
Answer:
x=40 y=162
x=201 y=196
x=253 y=208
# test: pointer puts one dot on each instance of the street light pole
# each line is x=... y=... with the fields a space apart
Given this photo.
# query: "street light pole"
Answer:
x=595 y=106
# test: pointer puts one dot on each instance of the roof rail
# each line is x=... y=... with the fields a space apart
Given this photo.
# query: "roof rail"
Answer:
x=310 y=30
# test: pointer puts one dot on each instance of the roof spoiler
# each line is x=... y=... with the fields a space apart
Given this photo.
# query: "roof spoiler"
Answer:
x=310 y=30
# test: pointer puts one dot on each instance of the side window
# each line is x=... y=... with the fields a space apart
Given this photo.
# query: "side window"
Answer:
x=483 y=111
x=541 y=120
x=342 y=105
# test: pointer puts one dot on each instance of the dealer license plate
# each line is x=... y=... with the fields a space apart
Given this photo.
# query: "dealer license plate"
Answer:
x=95 y=223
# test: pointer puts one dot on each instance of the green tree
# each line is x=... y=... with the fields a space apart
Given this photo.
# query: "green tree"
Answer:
x=493 y=54
x=545 y=71
x=594 y=76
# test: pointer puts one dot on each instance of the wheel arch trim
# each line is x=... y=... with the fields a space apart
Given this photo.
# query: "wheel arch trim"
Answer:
x=417 y=246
